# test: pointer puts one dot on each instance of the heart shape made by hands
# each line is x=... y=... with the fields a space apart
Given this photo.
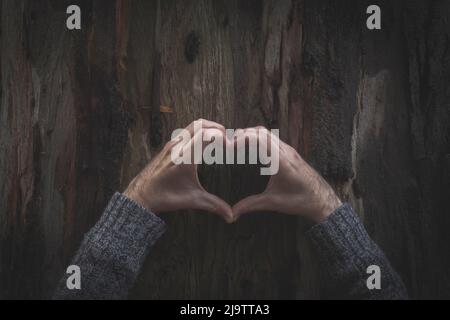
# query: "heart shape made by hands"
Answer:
x=237 y=181
x=172 y=181
x=282 y=181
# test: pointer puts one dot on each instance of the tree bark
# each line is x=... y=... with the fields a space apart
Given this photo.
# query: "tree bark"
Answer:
x=80 y=116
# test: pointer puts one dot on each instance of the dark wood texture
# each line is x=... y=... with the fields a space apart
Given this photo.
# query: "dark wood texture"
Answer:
x=80 y=116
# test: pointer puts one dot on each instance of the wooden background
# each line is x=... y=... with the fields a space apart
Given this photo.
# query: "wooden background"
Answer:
x=80 y=116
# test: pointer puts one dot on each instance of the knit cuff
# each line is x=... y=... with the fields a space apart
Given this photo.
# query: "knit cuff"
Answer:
x=126 y=231
x=342 y=238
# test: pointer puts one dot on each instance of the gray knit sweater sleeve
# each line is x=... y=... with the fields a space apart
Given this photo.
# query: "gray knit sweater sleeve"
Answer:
x=345 y=250
x=113 y=251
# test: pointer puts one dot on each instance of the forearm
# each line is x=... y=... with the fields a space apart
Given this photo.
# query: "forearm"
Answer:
x=346 y=251
x=113 y=251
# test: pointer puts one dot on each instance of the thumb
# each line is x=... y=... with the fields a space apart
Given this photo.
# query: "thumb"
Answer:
x=257 y=202
x=216 y=205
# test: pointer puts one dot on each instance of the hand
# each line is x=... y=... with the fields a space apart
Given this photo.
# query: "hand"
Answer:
x=163 y=186
x=296 y=189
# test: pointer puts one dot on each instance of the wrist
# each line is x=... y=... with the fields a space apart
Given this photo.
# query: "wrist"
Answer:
x=132 y=194
x=327 y=209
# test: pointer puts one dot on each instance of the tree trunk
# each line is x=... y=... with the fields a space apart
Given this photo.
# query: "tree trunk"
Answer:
x=80 y=116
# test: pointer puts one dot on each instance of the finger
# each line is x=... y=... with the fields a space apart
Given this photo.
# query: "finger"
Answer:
x=253 y=203
x=206 y=201
x=193 y=146
x=268 y=140
x=200 y=140
x=242 y=137
x=175 y=142
x=184 y=135
x=214 y=134
x=256 y=132
x=264 y=139
x=196 y=125
x=214 y=204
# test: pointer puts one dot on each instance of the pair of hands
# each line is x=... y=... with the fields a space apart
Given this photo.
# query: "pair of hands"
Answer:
x=296 y=189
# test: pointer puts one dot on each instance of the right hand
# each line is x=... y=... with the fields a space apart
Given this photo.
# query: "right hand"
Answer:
x=296 y=189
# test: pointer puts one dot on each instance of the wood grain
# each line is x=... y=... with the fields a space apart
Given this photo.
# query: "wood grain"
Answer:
x=81 y=114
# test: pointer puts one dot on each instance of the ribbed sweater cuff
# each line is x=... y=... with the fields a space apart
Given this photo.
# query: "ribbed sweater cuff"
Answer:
x=127 y=229
x=342 y=239
x=346 y=251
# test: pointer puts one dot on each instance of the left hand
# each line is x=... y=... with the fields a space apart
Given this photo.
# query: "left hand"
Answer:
x=164 y=186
